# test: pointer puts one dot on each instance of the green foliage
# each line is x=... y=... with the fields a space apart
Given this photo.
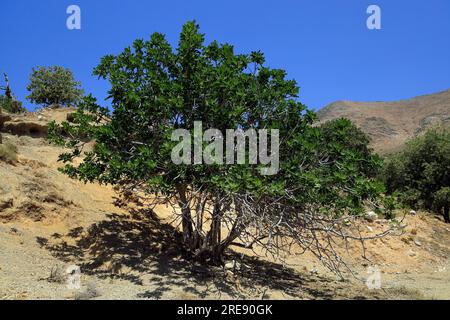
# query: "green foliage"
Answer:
x=421 y=171
x=10 y=105
x=442 y=202
x=54 y=86
x=350 y=164
x=156 y=89
x=8 y=152
x=442 y=197
x=390 y=204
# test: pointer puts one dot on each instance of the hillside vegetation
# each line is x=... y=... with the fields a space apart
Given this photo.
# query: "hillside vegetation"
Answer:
x=391 y=124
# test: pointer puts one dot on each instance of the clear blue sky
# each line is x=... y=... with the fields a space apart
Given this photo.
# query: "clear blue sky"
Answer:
x=323 y=44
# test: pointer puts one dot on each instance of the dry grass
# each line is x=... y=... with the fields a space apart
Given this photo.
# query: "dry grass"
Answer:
x=399 y=293
x=8 y=152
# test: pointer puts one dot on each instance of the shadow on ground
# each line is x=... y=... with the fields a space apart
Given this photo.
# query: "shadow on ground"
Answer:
x=140 y=249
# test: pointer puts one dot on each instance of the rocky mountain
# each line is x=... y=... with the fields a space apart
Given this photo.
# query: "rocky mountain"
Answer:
x=391 y=124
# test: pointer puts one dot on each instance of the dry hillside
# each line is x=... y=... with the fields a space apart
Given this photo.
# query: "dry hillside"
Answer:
x=48 y=222
x=390 y=124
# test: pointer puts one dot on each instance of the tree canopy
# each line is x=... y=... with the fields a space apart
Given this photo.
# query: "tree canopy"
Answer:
x=324 y=171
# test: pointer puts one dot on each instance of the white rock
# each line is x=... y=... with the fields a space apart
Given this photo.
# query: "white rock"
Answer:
x=412 y=212
x=418 y=243
x=370 y=228
x=232 y=265
x=411 y=253
x=371 y=216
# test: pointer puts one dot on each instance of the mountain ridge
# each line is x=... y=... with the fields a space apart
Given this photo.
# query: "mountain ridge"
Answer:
x=391 y=124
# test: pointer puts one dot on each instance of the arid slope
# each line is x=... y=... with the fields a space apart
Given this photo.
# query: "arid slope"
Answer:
x=390 y=124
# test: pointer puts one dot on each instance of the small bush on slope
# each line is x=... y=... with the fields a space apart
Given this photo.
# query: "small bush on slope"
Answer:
x=421 y=173
x=8 y=152
x=54 y=86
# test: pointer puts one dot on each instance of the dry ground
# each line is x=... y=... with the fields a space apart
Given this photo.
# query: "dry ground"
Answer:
x=48 y=220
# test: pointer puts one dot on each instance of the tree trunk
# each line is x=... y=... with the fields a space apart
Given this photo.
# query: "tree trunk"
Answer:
x=209 y=248
x=199 y=215
x=186 y=219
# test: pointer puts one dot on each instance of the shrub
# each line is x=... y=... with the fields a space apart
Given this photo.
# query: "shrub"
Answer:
x=390 y=204
x=442 y=202
x=8 y=152
x=54 y=86
x=347 y=148
x=421 y=171
x=10 y=105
